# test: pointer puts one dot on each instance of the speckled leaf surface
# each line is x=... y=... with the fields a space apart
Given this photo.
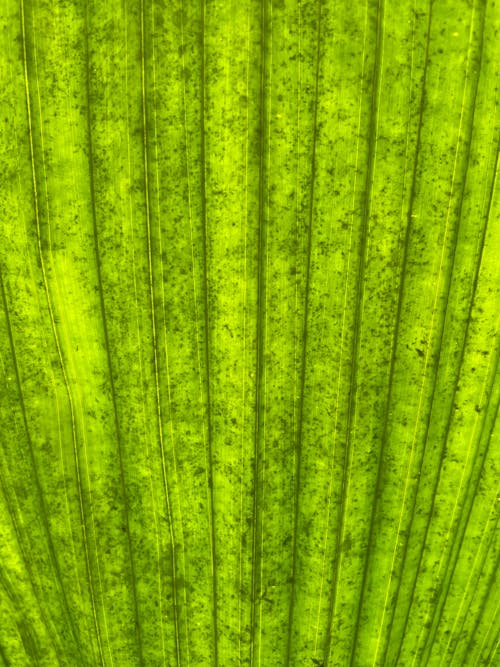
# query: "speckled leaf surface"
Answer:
x=249 y=333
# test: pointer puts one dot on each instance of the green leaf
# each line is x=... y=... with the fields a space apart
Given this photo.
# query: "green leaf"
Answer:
x=249 y=333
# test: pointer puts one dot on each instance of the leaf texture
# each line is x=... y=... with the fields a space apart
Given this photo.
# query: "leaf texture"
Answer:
x=249 y=333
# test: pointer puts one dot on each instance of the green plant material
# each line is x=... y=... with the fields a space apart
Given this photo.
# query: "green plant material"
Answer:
x=249 y=339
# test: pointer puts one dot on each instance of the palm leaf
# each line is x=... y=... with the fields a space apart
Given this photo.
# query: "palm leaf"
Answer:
x=250 y=333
